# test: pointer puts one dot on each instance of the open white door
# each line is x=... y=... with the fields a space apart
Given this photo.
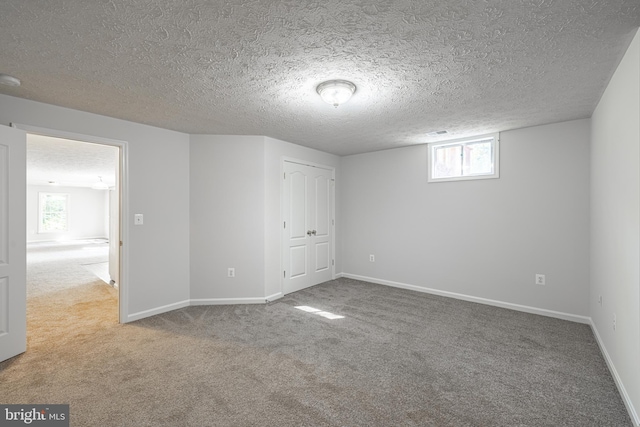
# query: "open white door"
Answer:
x=13 y=242
x=114 y=226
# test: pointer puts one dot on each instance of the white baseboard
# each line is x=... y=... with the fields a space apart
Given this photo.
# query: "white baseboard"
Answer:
x=616 y=378
x=204 y=301
x=263 y=300
x=274 y=297
x=158 y=310
x=495 y=303
x=228 y=301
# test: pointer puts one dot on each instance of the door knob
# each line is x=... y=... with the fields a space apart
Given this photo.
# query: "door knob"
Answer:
x=313 y=232
x=308 y=232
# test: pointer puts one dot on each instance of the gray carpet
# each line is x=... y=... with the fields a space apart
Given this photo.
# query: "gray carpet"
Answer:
x=397 y=358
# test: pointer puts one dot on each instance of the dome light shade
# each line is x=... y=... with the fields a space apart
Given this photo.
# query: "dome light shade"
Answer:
x=336 y=92
x=8 y=80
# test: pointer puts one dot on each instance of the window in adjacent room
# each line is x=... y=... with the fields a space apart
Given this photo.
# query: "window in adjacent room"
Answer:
x=53 y=212
x=463 y=159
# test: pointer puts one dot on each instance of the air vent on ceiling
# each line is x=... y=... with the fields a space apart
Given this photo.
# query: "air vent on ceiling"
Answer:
x=437 y=133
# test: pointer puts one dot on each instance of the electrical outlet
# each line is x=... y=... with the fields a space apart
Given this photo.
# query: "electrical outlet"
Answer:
x=540 y=279
x=600 y=300
x=372 y=258
x=614 y=322
x=231 y=272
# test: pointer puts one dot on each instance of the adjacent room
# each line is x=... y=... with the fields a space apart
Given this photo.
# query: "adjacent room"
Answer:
x=418 y=213
x=73 y=218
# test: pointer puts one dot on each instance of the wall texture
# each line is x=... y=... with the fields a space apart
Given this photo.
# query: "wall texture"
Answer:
x=87 y=214
x=615 y=224
x=157 y=179
x=484 y=239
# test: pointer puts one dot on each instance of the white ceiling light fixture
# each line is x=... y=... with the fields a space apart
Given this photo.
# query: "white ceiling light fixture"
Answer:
x=100 y=185
x=8 y=80
x=336 y=92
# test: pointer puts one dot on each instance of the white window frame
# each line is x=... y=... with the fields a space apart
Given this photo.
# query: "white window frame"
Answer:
x=41 y=197
x=494 y=137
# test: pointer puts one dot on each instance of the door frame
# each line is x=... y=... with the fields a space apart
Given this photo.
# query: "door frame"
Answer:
x=284 y=160
x=123 y=170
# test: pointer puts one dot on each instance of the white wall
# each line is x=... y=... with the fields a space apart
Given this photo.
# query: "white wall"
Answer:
x=235 y=215
x=485 y=238
x=227 y=211
x=87 y=214
x=615 y=224
x=158 y=187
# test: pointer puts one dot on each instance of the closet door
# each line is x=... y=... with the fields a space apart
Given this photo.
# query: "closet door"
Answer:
x=308 y=226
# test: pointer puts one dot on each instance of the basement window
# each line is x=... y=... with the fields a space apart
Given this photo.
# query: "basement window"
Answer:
x=464 y=159
x=53 y=212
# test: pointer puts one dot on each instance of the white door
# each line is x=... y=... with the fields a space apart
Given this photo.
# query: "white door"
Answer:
x=308 y=226
x=13 y=242
x=114 y=226
x=114 y=236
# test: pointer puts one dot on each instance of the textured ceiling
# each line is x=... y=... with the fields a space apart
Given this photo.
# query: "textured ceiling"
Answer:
x=251 y=66
x=69 y=163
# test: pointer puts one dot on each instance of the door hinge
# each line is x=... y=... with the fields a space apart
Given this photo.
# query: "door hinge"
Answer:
x=120 y=242
x=284 y=175
x=284 y=274
x=333 y=222
x=333 y=262
x=285 y=224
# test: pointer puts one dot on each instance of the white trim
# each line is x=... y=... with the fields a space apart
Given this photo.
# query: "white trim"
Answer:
x=228 y=301
x=123 y=288
x=306 y=163
x=274 y=297
x=616 y=378
x=502 y=304
x=158 y=310
x=68 y=135
x=201 y=301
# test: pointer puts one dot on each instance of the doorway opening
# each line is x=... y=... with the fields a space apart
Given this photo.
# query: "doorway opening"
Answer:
x=74 y=244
